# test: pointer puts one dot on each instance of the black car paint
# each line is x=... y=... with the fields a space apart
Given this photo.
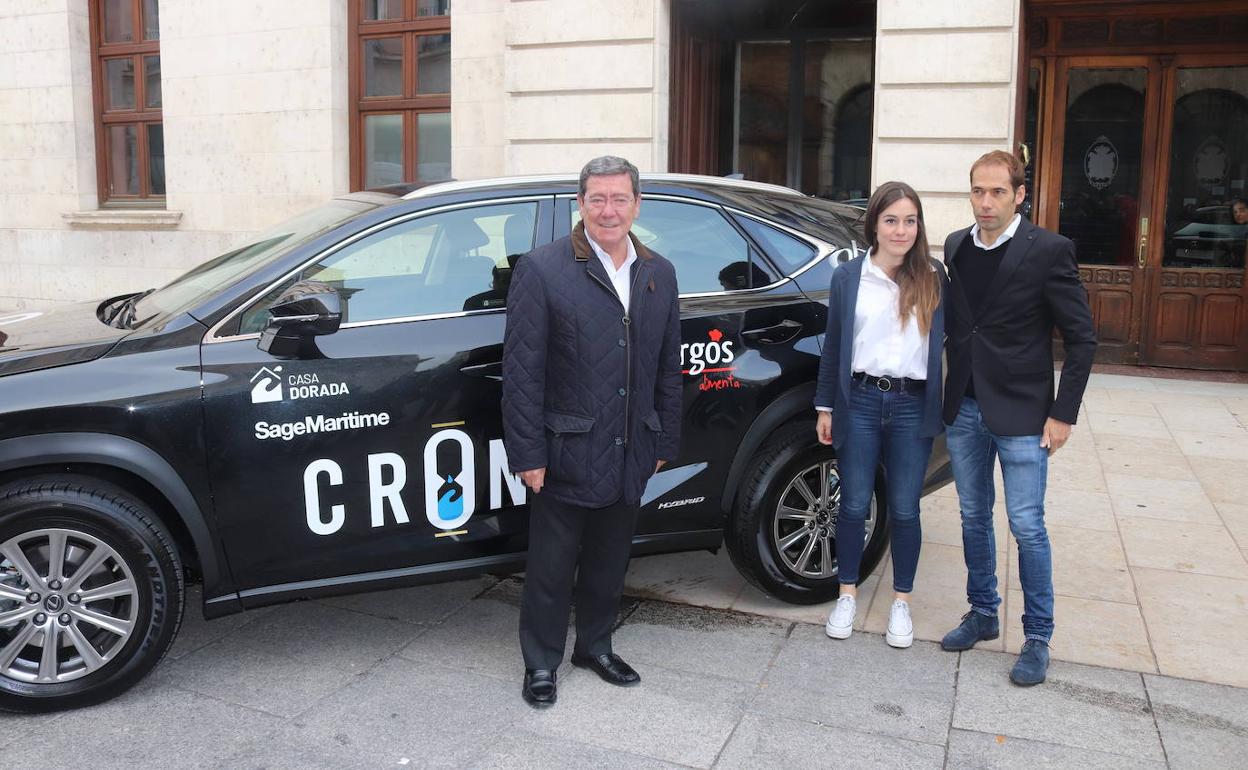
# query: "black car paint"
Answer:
x=173 y=400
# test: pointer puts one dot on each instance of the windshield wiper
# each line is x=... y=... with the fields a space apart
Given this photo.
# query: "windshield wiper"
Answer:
x=123 y=316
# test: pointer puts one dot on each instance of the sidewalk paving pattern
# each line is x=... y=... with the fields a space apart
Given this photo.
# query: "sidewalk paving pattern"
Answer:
x=430 y=677
x=1147 y=509
x=1148 y=506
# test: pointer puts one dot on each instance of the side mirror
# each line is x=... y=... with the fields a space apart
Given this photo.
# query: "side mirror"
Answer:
x=306 y=310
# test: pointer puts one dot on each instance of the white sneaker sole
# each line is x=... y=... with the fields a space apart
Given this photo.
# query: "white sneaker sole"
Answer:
x=899 y=641
x=838 y=632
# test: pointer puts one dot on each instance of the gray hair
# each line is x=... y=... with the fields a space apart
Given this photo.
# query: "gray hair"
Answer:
x=610 y=165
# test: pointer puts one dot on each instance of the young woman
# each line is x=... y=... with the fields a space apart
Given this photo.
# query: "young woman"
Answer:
x=879 y=393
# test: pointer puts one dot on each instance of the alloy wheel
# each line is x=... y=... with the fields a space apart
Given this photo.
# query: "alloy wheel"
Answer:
x=804 y=527
x=68 y=605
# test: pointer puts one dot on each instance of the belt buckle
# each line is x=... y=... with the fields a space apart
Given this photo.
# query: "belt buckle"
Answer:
x=884 y=384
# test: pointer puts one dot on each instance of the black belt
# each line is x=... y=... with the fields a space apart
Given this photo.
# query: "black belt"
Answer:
x=886 y=384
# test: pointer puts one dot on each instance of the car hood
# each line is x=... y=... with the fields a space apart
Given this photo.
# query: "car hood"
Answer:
x=67 y=334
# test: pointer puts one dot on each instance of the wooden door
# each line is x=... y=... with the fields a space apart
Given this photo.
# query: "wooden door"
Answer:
x=1097 y=185
x=1198 y=309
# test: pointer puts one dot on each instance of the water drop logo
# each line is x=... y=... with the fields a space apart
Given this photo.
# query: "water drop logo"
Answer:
x=450 y=498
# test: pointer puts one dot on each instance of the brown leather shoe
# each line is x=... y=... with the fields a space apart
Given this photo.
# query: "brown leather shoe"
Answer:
x=610 y=667
x=539 y=690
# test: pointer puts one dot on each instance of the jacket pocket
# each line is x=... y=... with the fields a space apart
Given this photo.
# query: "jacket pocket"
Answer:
x=568 y=446
x=653 y=422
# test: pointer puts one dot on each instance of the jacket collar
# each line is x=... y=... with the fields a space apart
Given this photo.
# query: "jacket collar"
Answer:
x=584 y=253
x=1015 y=251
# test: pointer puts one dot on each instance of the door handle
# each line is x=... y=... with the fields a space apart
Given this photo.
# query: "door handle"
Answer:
x=492 y=370
x=774 y=334
x=1142 y=256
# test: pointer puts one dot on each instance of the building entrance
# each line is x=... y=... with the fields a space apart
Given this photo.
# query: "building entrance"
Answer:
x=1141 y=147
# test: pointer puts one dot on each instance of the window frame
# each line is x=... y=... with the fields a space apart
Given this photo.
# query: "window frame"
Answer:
x=409 y=104
x=141 y=116
x=757 y=251
x=220 y=330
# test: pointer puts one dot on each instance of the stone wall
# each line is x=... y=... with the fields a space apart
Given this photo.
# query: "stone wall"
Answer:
x=945 y=85
x=255 y=125
x=579 y=78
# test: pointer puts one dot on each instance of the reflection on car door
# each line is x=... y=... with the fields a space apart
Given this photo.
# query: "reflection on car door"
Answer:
x=380 y=457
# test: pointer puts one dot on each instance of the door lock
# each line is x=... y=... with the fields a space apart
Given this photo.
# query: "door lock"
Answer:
x=1142 y=257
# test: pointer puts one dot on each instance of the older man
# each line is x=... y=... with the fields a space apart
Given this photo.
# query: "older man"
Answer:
x=591 y=409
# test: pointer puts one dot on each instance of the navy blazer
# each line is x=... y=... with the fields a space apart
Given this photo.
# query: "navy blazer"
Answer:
x=1008 y=346
x=838 y=352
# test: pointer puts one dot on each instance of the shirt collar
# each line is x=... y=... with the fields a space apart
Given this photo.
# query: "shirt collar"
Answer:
x=1005 y=236
x=874 y=269
x=607 y=262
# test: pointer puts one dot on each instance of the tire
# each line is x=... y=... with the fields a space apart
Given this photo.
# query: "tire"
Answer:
x=113 y=608
x=756 y=529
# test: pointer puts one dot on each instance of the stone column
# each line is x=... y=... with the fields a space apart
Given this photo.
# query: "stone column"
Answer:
x=945 y=86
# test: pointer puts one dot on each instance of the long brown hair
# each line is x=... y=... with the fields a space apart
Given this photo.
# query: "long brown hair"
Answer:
x=919 y=284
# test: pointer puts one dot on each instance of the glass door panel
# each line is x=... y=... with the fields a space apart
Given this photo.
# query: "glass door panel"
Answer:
x=763 y=112
x=1101 y=163
x=1208 y=169
x=836 y=119
x=1101 y=139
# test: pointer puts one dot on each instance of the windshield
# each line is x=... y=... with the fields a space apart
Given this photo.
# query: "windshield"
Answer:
x=204 y=280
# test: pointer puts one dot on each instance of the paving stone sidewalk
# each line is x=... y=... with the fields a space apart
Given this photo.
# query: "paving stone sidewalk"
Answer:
x=429 y=677
x=1147 y=510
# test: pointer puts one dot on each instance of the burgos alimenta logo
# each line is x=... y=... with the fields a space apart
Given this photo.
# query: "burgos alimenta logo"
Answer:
x=712 y=360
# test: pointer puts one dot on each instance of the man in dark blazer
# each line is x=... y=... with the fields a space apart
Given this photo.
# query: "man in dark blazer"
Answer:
x=591 y=409
x=1011 y=284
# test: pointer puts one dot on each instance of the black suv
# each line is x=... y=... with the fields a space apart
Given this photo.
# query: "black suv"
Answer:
x=317 y=413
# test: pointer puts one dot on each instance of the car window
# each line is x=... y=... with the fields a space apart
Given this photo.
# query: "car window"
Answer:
x=441 y=263
x=789 y=252
x=210 y=277
x=708 y=252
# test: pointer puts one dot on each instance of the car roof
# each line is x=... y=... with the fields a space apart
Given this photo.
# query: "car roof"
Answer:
x=570 y=180
x=760 y=198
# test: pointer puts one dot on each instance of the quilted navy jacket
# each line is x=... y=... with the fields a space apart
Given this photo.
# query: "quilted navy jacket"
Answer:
x=591 y=392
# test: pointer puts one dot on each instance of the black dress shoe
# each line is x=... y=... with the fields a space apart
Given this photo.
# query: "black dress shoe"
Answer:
x=610 y=667
x=539 y=689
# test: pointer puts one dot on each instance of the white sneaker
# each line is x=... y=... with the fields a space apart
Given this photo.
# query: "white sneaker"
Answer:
x=900 y=628
x=841 y=621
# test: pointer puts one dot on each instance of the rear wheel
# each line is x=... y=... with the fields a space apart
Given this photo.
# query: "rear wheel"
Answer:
x=91 y=593
x=782 y=534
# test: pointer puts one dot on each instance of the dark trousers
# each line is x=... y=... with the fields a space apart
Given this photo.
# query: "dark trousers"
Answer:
x=568 y=545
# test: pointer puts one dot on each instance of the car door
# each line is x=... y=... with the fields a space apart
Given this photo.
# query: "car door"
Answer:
x=377 y=455
x=744 y=331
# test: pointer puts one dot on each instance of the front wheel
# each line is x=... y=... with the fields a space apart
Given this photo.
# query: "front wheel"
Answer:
x=91 y=593
x=782 y=534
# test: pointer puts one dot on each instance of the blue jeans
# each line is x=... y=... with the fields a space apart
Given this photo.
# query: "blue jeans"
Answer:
x=1024 y=468
x=881 y=425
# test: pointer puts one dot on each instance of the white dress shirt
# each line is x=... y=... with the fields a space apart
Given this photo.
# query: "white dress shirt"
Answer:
x=882 y=346
x=1002 y=238
x=619 y=278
